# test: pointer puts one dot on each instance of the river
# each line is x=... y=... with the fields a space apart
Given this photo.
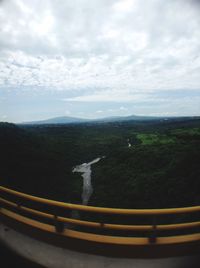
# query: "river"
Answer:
x=129 y=144
x=86 y=171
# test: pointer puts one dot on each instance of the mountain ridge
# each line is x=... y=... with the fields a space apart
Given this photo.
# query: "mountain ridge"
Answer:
x=57 y=120
x=74 y=120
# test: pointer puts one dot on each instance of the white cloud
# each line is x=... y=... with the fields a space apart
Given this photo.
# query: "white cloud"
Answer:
x=105 y=51
x=67 y=112
x=44 y=26
x=3 y=117
x=125 y=5
x=109 y=96
x=122 y=108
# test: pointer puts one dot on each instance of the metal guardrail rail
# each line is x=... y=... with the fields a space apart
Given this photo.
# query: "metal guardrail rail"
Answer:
x=61 y=225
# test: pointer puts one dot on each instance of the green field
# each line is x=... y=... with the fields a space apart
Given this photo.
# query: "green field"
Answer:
x=152 y=138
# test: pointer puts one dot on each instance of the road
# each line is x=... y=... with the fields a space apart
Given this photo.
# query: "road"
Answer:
x=9 y=259
x=55 y=257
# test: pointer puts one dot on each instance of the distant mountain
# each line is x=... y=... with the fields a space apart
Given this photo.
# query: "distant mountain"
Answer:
x=57 y=120
x=70 y=120
x=127 y=118
x=76 y=120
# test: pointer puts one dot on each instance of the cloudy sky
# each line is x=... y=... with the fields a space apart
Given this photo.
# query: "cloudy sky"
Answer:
x=97 y=58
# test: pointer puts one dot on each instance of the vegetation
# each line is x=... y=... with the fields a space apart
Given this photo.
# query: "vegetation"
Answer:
x=160 y=169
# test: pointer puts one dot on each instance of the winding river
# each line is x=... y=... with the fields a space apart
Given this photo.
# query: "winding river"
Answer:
x=86 y=171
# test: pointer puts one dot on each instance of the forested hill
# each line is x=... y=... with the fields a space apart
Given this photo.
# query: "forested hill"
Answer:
x=29 y=164
x=160 y=168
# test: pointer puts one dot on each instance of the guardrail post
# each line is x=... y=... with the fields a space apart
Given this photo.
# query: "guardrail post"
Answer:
x=101 y=221
x=59 y=226
x=19 y=203
x=152 y=236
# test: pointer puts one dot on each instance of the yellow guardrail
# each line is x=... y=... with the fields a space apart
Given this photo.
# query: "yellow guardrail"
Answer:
x=102 y=209
x=59 y=221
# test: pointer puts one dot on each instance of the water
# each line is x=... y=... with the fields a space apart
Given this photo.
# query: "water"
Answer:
x=129 y=144
x=86 y=171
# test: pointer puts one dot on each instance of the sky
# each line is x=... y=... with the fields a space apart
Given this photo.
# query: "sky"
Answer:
x=99 y=58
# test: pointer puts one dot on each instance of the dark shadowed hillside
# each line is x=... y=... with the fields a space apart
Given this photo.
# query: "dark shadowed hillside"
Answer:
x=29 y=164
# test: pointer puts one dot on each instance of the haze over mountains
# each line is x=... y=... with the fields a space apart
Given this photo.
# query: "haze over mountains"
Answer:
x=69 y=120
x=73 y=120
x=58 y=120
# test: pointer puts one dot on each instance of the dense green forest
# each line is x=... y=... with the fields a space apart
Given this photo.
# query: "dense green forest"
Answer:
x=160 y=168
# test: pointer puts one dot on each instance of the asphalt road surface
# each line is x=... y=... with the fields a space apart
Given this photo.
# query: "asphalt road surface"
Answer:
x=9 y=259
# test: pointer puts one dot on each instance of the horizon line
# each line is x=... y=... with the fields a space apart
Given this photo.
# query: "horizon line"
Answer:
x=99 y=118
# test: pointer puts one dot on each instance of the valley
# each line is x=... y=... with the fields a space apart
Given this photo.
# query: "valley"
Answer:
x=148 y=164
